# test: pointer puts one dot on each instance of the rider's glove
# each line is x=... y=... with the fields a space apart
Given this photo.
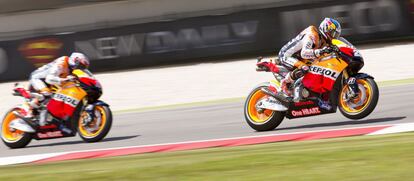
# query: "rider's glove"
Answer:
x=324 y=50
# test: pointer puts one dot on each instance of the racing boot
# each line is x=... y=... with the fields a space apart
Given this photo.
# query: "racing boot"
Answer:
x=284 y=96
x=284 y=84
x=36 y=103
x=296 y=77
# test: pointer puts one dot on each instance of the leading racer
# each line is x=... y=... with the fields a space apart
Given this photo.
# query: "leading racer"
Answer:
x=53 y=73
x=310 y=44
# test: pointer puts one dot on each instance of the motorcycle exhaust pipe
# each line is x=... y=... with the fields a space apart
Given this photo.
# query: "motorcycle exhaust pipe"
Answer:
x=21 y=125
x=282 y=99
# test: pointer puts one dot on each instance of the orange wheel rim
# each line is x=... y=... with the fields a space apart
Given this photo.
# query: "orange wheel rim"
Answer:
x=368 y=92
x=88 y=130
x=252 y=111
x=8 y=134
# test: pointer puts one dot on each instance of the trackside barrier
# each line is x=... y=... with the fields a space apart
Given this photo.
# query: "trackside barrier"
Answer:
x=194 y=39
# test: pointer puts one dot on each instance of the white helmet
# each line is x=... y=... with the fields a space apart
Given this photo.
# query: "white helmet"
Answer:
x=78 y=61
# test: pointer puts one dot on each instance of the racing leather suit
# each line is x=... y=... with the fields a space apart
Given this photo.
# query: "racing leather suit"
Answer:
x=304 y=46
x=52 y=73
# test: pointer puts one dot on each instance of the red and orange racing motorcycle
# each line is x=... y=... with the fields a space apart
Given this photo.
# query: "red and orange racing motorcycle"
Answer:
x=74 y=107
x=333 y=81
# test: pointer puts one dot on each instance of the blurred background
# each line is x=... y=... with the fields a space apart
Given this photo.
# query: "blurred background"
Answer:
x=127 y=34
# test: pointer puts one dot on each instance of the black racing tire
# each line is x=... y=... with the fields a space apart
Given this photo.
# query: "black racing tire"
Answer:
x=21 y=142
x=273 y=118
x=102 y=132
x=367 y=110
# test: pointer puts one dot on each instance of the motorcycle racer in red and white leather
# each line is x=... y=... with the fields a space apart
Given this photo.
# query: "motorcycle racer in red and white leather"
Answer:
x=310 y=44
x=57 y=71
x=53 y=73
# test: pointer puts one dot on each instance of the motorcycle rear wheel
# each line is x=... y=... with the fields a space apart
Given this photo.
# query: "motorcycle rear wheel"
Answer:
x=99 y=127
x=11 y=137
x=358 y=107
x=261 y=121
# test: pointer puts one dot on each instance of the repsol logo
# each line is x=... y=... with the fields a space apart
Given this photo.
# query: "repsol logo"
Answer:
x=66 y=99
x=234 y=33
x=323 y=71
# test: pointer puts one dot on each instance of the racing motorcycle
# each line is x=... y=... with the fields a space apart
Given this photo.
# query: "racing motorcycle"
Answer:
x=333 y=81
x=74 y=107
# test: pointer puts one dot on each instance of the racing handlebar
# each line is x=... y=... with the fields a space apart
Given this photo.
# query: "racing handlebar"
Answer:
x=335 y=48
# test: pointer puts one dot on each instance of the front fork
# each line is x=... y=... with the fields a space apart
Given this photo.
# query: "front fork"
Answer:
x=90 y=110
x=352 y=86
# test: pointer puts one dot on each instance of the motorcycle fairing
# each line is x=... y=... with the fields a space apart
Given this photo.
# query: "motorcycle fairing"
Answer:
x=86 y=77
x=64 y=101
x=323 y=74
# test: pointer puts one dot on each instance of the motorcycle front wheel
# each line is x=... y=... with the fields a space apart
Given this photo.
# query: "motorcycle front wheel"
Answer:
x=362 y=105
x=96 y=129
x=261 y=120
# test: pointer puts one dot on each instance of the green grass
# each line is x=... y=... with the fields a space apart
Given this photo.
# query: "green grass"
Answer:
x=396 y=82
x=385 y=157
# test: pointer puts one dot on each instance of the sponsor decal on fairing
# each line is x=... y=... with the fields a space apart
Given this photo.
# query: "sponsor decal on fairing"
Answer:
x=304 y=103
x=62 y=106
x=326 y=72
x=66 y=99
x=306 y=112
x=50 y=134
x=321 y=79
x=324 y=105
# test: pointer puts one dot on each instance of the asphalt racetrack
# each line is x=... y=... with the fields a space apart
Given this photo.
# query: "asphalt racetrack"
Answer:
x=215 y=121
